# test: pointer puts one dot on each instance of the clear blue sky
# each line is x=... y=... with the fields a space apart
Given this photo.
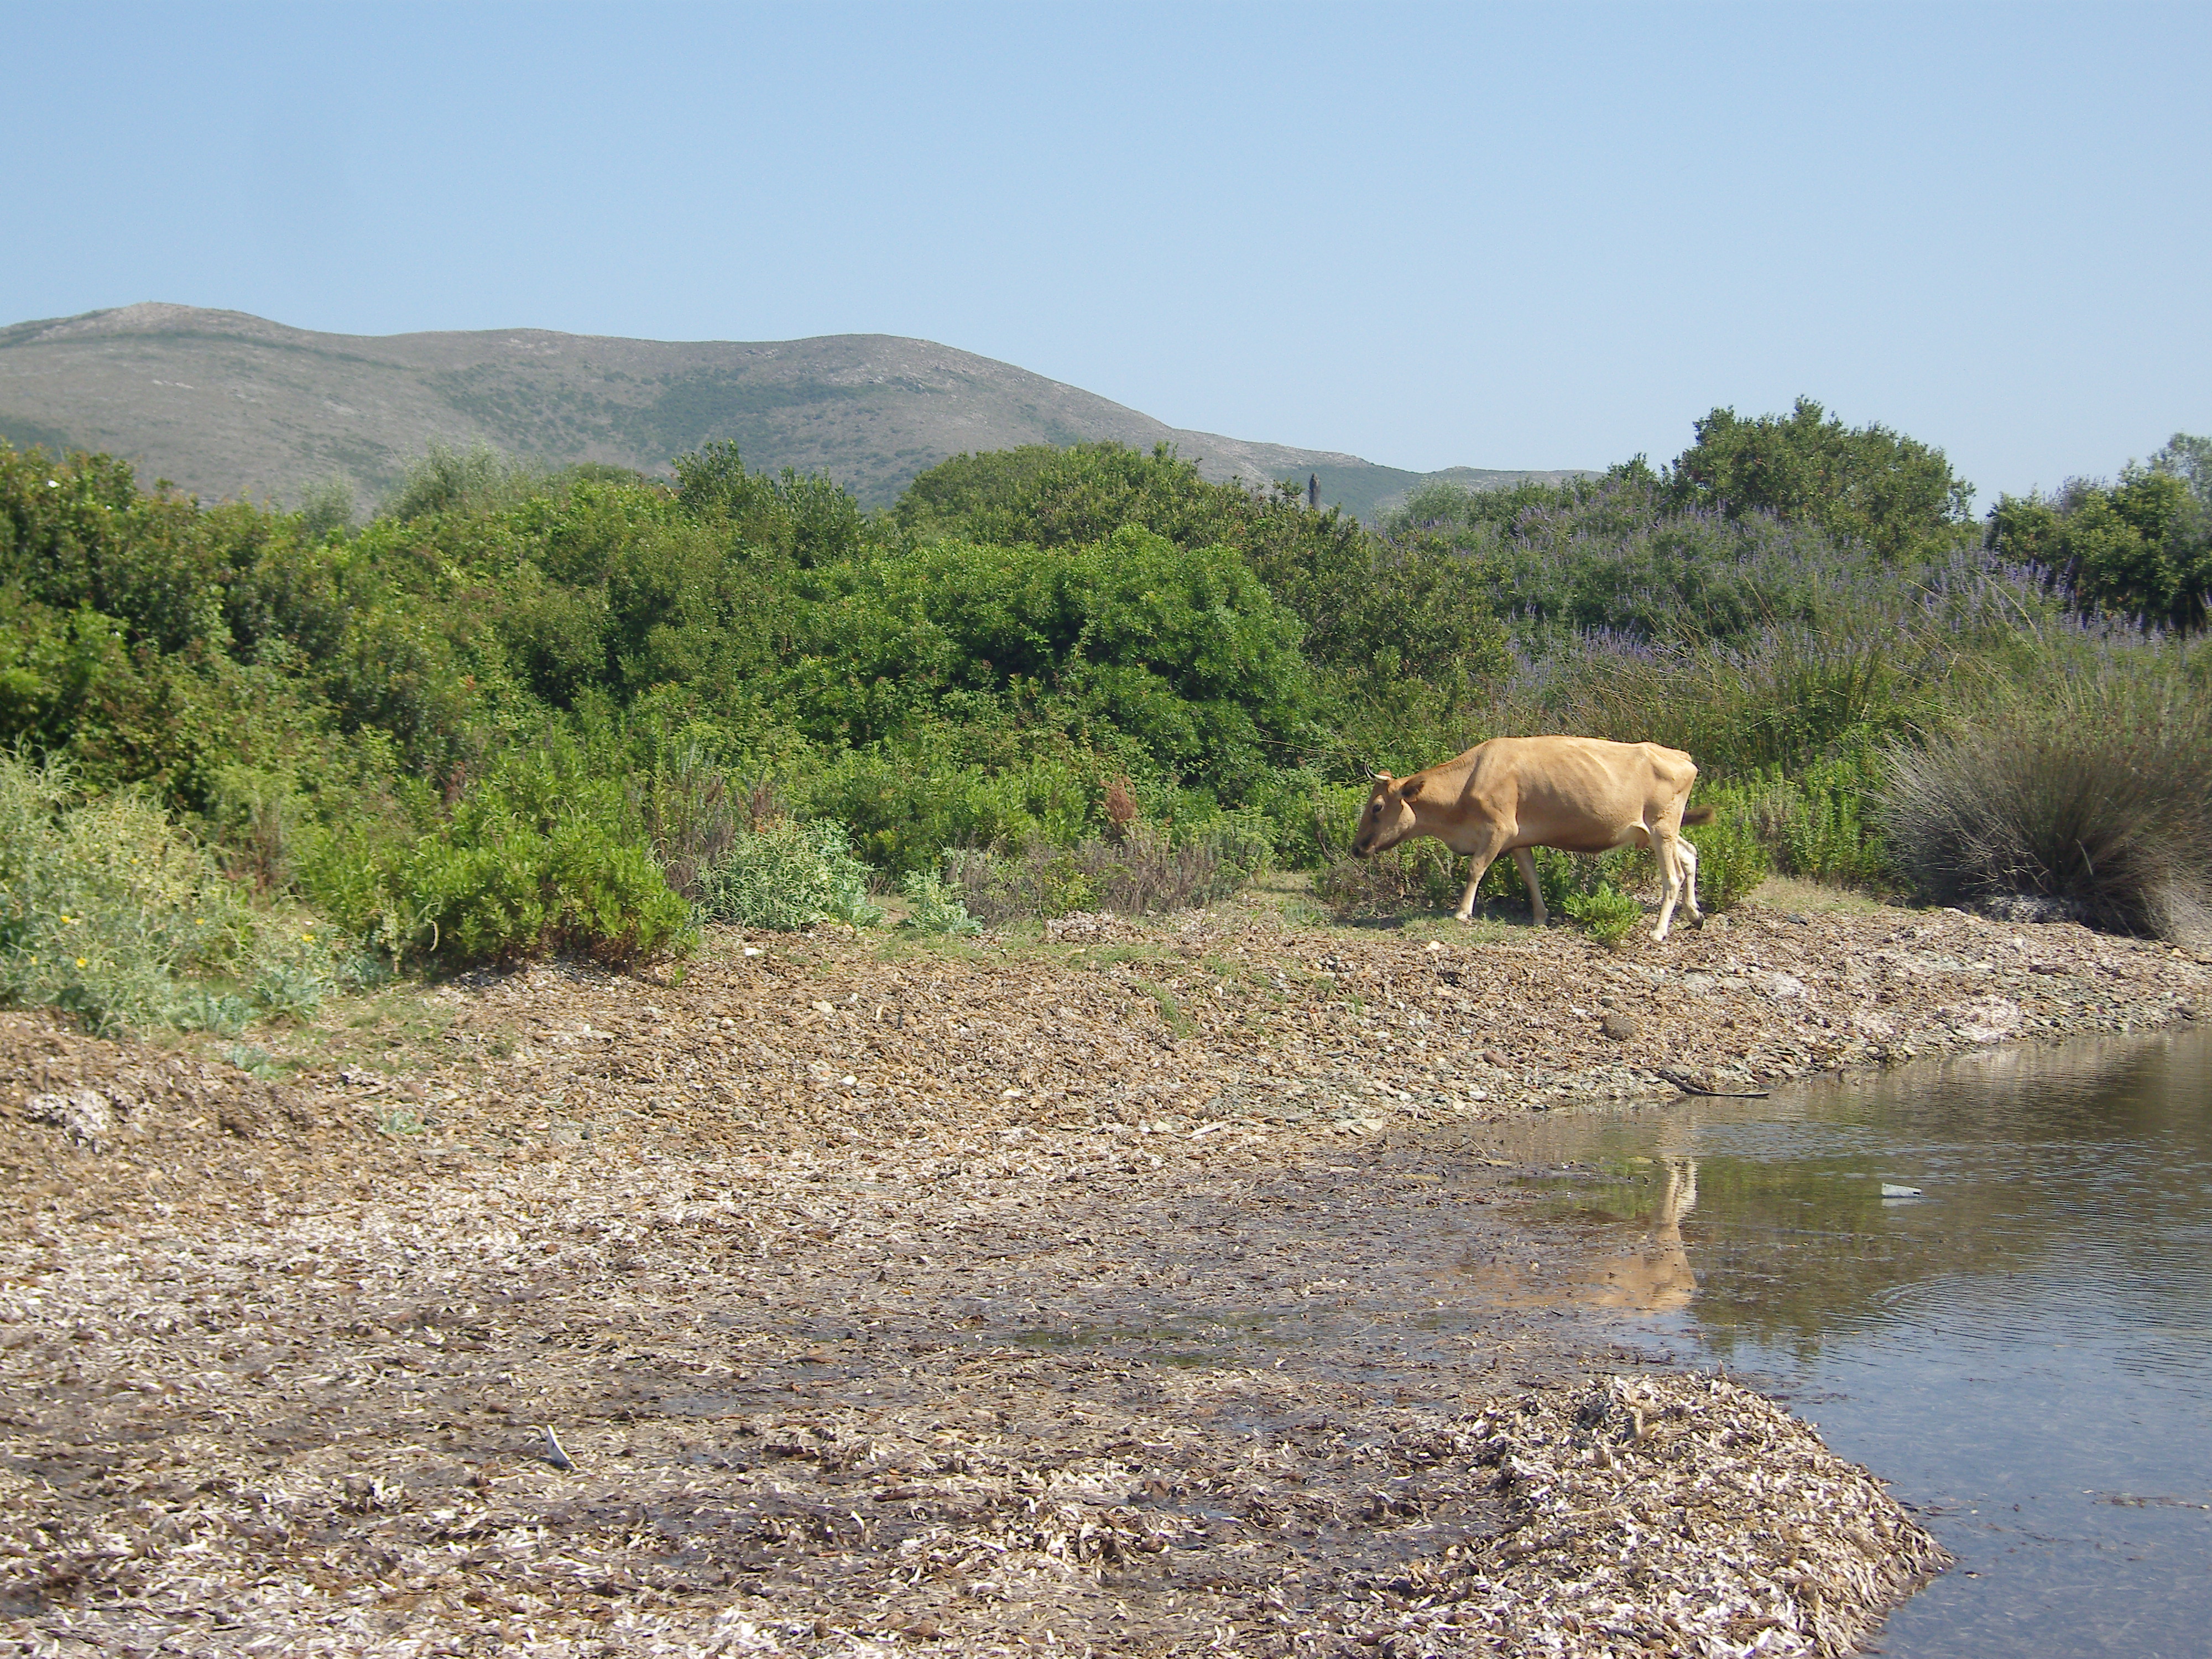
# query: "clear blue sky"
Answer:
x=1531 y=236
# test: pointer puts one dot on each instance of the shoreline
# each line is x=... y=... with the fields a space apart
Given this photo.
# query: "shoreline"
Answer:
x=893 y=1296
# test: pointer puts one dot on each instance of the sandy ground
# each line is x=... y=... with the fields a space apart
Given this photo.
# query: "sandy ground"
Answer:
x=1136 y=1290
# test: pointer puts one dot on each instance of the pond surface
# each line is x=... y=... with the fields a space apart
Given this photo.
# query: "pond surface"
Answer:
x=2023 y=1351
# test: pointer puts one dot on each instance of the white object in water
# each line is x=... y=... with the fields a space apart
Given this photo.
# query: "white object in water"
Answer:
x=1889 y=1189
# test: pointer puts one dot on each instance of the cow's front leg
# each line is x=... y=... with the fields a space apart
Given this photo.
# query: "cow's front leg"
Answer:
x=1480 y=857
x=1477 y=867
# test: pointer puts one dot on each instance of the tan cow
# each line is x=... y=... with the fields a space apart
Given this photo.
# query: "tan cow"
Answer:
x=1579 y=795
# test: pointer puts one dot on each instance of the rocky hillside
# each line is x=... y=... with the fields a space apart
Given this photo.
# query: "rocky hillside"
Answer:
x=224 y=403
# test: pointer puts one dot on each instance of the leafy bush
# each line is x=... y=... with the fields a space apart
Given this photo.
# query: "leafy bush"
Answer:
x=907 y=800
x=1181 y=650
x=1863 y=483
x=2139 y=548
x=1610 y=915
x=784 y=876
x=1567 y=877
x=1732 y=860
x=108 y=912
x=539 y=855
x=1376 y=612
x=935 y=907
x=449 y=480
x=2096 y=790
x=1815 y=824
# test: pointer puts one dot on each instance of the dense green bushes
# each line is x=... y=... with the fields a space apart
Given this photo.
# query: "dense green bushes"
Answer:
x=540 y=855
x=524 y=711
x=1866 y=484
x=2140 y=548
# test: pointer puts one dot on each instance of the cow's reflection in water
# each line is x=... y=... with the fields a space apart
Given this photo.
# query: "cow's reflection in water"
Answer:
x=1656 y=1276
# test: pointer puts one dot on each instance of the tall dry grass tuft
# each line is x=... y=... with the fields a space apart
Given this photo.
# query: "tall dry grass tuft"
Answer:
x=2096 y=791
x=694 y=816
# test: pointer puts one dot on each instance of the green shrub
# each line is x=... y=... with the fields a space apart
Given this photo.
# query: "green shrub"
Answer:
x=1565 y=877
x=539 y=855
x=2095 y=790
x=1610 y=915
x=449 y=480
x=785 y=875
x=905 y=803
x=219 y=1013
x=934 y=907
x=1732 y=860
x=1183 y=651
x=108 y=912
x=1815 y=821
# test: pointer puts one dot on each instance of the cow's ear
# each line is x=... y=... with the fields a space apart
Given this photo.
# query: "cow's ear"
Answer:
x=1413 y=788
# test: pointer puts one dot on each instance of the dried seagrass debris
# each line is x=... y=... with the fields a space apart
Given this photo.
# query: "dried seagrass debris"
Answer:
x=836 y=1247
x=1682 y=1513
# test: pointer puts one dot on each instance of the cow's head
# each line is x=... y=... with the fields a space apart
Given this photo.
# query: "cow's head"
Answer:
x=1387 y=818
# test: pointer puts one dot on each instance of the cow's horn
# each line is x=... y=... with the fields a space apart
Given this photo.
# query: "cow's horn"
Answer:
x=1382 y=777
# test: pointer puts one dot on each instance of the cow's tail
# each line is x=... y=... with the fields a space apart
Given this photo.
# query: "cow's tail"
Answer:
x=1697 y=815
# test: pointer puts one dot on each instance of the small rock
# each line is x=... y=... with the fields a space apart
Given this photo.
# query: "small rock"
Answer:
x=86 y=1114
x=1986 y=1019
x=2031 y=908
x=1618 y=1027
x=1783 y=987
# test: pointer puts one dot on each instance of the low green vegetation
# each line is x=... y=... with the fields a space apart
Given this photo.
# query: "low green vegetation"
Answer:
x=105 y=911
x=520 y=711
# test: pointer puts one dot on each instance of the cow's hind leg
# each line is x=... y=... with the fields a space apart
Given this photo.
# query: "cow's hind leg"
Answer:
x=1686 y=853
x=1678 y=878
x=1525 y=861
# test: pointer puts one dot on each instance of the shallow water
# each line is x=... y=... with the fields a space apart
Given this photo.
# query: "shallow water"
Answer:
x=2024 y=1353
